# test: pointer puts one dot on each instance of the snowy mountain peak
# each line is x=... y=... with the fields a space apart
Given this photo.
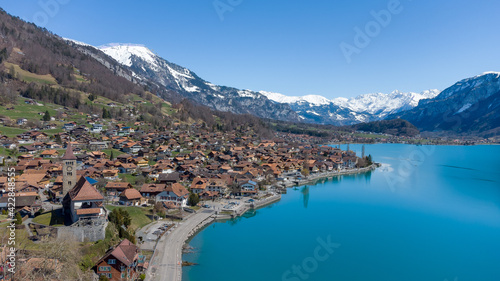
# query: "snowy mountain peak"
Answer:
x=280 y=98
x=363 y=108
x=123 y=53
x=478 y=81
x=78 y=42
x=490 y=72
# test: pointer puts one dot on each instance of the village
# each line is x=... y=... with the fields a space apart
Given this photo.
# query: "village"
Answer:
x=75 y=178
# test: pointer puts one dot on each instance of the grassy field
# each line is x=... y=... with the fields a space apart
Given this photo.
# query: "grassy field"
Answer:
x=80 y=119
x=167 y=109
x=137 y=214
x=104 y=101
x=22 y=241
x=80 y=78
x=2 y=217
x=6 y=152
x=52 y=218
x=52 y=132
x=115 y=152
x=128 y=178
x=11 y=132
x=28 y=111
x=29 y=77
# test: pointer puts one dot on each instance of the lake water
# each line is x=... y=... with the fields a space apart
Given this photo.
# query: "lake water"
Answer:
x=429 y=213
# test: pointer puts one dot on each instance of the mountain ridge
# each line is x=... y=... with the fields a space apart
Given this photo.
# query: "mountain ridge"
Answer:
x=309 y=108
x=348 y=111
x=146 y=66
x=471 y=105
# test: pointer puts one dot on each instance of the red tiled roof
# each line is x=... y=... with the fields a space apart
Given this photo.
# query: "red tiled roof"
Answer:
x=178 y=189
x=126 y=252
x=131 y=194
x=88 y=211
x=117 y=185
x=83 y=190
x=148 y=188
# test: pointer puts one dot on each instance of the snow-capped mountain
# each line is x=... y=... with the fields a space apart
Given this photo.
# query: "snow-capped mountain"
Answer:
x=470 y=105
x=148 y=66
x=311 y=108
x=343 y=111
x=311 y=99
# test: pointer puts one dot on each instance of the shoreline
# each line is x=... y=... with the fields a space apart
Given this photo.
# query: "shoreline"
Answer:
x=213 y=217
x=327 y=175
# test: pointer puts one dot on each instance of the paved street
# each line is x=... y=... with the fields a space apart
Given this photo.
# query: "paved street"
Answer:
x=166 y=264
x=46 y=204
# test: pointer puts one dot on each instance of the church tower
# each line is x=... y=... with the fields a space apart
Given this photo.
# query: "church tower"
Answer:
x=69 y=170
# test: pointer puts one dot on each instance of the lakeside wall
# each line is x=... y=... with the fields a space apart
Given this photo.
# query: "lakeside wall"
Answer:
x=326 y=175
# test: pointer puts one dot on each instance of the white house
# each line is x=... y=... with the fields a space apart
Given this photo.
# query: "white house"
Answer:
x=248 y=188
x=69 y=126
x=218 y=185
x=176 y=193
x=96 y=128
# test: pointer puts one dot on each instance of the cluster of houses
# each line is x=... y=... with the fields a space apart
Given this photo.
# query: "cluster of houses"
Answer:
x=72 y=168
x=172 y=163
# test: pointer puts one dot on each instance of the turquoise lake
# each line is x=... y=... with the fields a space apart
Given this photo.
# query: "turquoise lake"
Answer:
x=430 y=213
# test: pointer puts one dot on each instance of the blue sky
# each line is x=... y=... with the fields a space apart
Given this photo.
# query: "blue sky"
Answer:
x=293 y=47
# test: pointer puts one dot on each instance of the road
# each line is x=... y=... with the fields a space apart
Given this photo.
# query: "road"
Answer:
x=46 y=204
x=166 y=264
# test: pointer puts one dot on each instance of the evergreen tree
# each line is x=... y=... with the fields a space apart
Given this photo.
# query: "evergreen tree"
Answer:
x=19 y=219
x=46 y=117
x=58 y=139
x=369 y=159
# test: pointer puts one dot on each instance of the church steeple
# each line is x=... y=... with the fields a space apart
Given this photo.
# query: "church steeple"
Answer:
x=69 y=170
x=68 y=155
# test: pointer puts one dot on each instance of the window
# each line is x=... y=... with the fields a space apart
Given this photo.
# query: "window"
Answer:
x=70 y=173
x=112 y=261
x=104 y=268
